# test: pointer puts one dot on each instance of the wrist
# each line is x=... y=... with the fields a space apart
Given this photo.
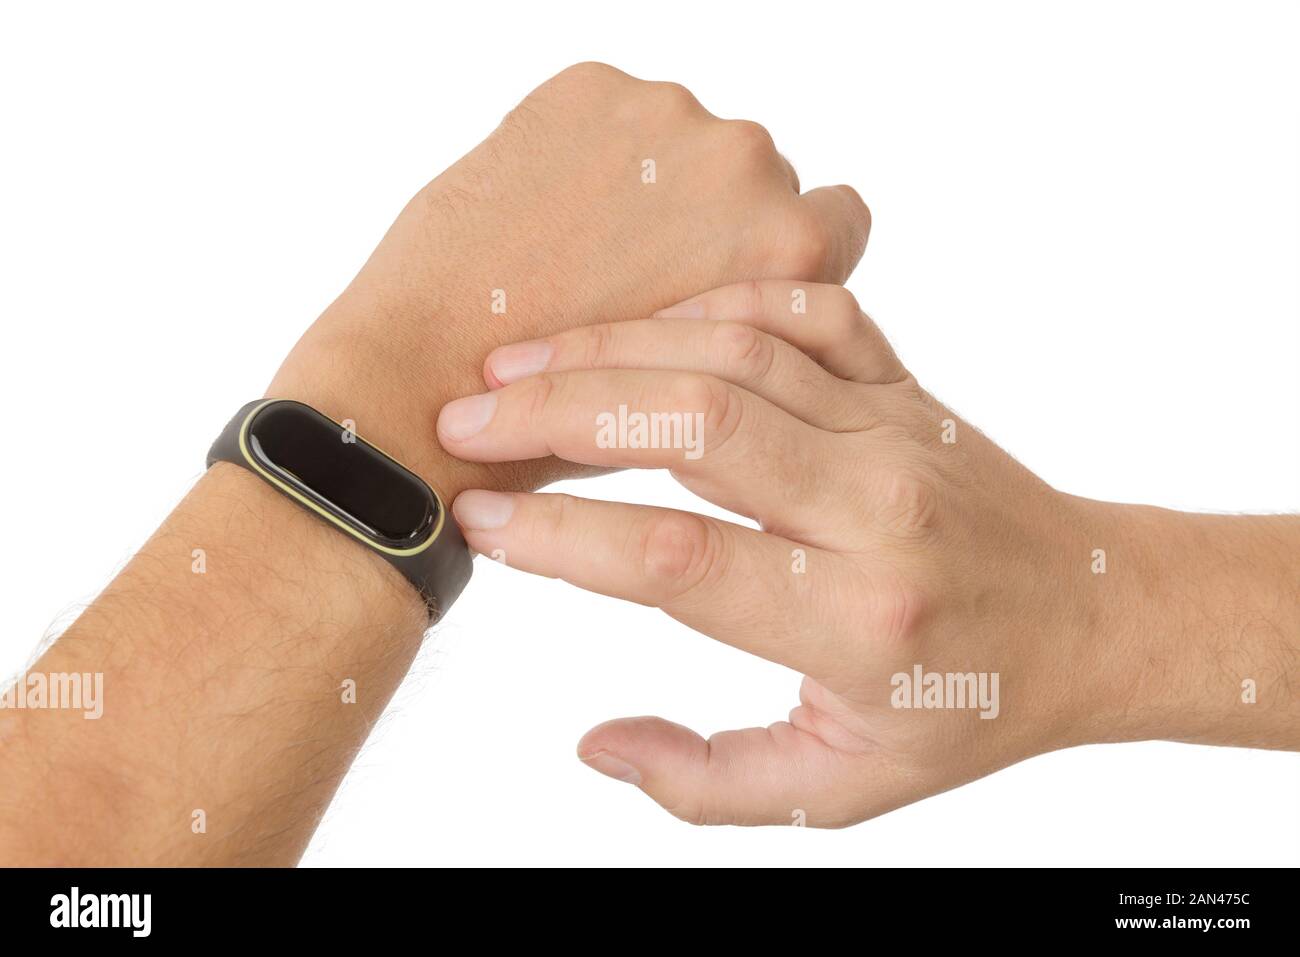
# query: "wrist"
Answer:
x=389 y=364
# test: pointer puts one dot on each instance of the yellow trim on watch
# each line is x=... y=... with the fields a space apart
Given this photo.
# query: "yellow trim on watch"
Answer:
x=302 y=499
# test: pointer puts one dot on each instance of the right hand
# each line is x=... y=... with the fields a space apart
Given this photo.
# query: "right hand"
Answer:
x=554 y=211
x=897 y=544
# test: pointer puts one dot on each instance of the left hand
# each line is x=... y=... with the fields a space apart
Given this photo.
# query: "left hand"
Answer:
x=893 y=536
x=548 y=224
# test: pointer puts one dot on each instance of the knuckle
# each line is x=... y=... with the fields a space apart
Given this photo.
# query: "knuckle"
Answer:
x=679 y=553
x=906 y=503
x=749 y=138
x=742 y=353
x=576 y=90
x=805 y=246
x=588 y=71
x=554 y=515
x=542 y=391
x=750 y=300
x=690 y=810
x=843 y=314
x=896 y=612
x=598 y=346
x=655 y=102
x=715 y=401
x=855 y=199
x=674 y=95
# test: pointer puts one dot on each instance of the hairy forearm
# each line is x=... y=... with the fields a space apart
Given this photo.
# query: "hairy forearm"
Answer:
x=1203 y=628
x=223 y=691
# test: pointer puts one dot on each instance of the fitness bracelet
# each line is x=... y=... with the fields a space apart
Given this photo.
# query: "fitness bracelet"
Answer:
x=344 y=480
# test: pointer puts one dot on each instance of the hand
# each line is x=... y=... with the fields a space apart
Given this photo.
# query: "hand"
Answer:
x=895 y=540
x=225 y=685
x=556 y=219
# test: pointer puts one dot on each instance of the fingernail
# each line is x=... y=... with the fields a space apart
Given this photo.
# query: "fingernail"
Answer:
x=520 y=360
x=465 y=418
x=613 y=767
x=690 y=309
x=479 y=510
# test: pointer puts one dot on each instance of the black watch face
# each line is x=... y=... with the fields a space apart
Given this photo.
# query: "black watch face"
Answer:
x=343 y=474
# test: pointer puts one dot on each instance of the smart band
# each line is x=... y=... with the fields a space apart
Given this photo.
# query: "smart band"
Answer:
x=345 y=481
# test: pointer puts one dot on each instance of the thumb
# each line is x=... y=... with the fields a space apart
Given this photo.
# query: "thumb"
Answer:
x=774 y=775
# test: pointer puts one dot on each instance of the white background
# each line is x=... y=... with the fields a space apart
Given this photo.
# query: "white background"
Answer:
x=1087 y=238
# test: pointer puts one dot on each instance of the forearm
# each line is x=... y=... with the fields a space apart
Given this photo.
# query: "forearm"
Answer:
x=1203 y=627
x=223 y=690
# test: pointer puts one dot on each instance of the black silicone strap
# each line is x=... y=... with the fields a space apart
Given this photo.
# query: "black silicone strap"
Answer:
x=438 y=566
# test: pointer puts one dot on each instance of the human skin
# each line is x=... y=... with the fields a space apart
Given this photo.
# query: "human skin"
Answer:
x=891 y=534
x=223 y=691
x=553 y=211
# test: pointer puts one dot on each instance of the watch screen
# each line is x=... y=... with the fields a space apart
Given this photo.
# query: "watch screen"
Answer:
x=343 y=474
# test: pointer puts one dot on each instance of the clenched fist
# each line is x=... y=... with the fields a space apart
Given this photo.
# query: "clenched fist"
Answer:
x=600 y=197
